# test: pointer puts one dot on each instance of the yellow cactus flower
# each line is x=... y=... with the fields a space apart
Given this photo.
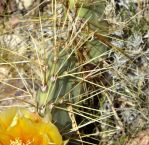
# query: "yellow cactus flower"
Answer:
x=20 y=127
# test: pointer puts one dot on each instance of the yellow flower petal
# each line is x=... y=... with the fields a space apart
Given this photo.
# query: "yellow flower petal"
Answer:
x=6 y=117
x=20 y=127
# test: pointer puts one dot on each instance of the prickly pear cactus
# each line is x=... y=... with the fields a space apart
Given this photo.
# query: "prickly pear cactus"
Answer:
x=79 y=50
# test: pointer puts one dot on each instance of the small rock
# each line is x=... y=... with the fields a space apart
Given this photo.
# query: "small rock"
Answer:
x=142 y=138
x=24 y=4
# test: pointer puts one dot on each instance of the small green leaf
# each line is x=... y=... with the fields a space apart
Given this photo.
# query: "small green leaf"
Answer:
x=72 y=4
